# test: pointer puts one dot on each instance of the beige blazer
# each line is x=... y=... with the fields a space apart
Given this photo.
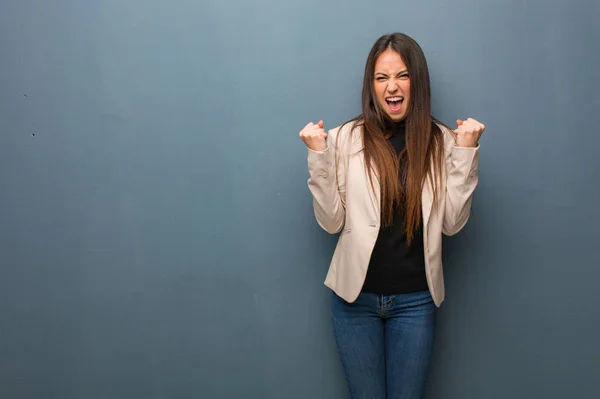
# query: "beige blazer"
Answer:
x=349 y=207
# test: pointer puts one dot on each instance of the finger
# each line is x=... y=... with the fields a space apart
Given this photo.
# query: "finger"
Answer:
x=472 y=124
x=316 y=135
x=476 y=123
x=480 y=126
x=321 y=124
x=316 y=132
x=459 y=122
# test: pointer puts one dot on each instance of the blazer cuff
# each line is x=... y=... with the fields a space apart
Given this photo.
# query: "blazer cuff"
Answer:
x=466 y=159
x=317 y=152
x=319 y=162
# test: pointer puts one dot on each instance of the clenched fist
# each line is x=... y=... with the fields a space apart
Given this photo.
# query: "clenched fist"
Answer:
x=314 y=136
x=468 y=132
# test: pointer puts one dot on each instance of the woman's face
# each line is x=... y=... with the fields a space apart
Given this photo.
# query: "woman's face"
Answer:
x=392 y=84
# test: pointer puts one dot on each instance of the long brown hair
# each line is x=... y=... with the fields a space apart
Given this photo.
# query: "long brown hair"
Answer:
x=424 y=139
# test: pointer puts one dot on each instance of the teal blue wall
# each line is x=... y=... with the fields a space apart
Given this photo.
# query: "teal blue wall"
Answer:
x=156 y=231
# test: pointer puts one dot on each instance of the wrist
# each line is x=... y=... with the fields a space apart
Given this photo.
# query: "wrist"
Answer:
x=466 y=144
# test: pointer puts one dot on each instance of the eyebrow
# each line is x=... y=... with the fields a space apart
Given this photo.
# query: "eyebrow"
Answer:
x=385 y=74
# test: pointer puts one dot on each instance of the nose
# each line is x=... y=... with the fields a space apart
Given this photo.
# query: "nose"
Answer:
x=392 y=86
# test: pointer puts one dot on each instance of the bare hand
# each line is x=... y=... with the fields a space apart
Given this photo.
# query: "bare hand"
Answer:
x=314 y=136
x=468 y=132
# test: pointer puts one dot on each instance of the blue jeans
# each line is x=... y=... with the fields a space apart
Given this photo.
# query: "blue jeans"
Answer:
x=385 y=343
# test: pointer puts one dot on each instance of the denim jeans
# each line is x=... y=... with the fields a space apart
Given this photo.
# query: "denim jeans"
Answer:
x=385 y=343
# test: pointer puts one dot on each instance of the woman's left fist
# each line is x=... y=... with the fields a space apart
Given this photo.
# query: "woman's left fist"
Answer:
x=468 y=132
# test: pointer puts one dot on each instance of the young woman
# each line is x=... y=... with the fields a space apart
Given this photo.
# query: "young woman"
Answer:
x=390 y=181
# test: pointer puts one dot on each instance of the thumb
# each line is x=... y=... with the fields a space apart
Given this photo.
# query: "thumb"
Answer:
x=321 y=124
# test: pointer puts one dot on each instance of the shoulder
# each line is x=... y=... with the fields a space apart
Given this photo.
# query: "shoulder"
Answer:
x=347 y=129
x=447 y=136
x=348 y=133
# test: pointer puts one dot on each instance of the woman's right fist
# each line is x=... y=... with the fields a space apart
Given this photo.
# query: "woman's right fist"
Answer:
x=314 y=136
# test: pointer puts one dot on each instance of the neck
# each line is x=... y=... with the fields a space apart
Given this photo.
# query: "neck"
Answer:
x=395 y=127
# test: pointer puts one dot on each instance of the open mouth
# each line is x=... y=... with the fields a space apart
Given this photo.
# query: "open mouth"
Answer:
x=395 y=103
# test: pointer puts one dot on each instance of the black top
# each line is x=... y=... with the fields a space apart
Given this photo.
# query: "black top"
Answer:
x=396 y=268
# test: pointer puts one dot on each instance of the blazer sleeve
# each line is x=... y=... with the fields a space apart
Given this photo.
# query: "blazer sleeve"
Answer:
x=461 y=180
x=327 y=182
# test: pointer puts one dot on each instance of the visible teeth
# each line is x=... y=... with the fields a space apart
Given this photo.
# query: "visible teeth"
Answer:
x=394 y=99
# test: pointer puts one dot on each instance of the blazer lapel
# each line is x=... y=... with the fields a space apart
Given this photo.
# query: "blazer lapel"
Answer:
x=375 y=193
x=426 y=203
